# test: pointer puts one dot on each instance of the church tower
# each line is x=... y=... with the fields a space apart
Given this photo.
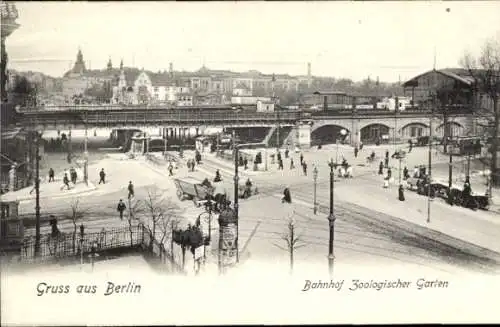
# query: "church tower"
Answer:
x=79 y=67
x=121 y=64
x=110 y=65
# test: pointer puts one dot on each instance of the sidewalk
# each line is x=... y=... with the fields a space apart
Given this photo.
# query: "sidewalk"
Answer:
x=49 y=190
x=476 y=227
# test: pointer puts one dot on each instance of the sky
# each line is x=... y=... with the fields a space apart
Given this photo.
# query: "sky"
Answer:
x=391 y=40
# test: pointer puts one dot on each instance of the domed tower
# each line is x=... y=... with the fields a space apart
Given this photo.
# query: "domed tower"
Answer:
x=79 y=67
x=9 y=15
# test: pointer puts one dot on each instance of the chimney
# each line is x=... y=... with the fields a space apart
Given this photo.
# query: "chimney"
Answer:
x=171 y=70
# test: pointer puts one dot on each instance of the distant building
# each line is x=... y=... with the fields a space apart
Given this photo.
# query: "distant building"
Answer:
x=265 y=106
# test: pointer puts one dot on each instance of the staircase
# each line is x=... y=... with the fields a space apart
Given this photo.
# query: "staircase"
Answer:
x=284 y=131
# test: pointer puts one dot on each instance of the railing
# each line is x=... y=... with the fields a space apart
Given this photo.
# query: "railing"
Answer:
x=65 y=246
x=173 y=117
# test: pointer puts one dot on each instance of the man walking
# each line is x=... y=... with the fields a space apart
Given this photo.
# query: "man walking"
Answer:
x=304 y=168
x=130 y=190
x=356 y=151
x=65 y=181
x=171 y=169
x=37 y=182
x=121 y=208
x=102 y=176
x=73 y=175
x=292 y=166
x=51 y=175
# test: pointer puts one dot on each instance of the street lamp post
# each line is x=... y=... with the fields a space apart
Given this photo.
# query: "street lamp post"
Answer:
x=315 y=176
x=86 y=154
x=430 y=164
x=331 y=220
x=37 y=192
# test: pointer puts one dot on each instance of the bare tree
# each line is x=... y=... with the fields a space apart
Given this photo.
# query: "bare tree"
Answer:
x=292 y=240
x=163 y=212
x=135 y=208
x=76 y=213
x=485 y=71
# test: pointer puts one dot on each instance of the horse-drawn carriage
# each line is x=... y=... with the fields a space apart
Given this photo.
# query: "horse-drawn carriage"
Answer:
x=453 y=195
x=474 y=201
x=193 y=189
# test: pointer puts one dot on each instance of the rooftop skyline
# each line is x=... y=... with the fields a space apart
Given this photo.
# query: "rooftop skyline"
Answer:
x=394 y=40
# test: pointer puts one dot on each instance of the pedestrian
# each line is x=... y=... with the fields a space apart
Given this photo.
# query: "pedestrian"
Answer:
x=217 y=176
x=170 y=169
x=387 y=154
x=304 y=168
x=72 y=175
x=386 y=162
x=410 y=145
x=360 y=146
x=287 y=197
x=381 y=168
x=401 y=193
x=193 y=165
x=356 y=151
x=301 y=158
x=467 y=190
x=279 y=156
x=386 y=182
x=280 y=164
x=130 y=190
x=292 y=166
x=51 y=175
x=37 y=182
x=121 y=208
x=245 y=162
x=389 y=173
x=65 y=181
x=188 y=164
x=405 y=173
x=102 y=176
x=286 y=153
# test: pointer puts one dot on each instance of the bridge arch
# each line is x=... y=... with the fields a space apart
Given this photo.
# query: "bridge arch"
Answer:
x=414 y=129
x=326 y=134
x=454 y=129
x=157 y=145
x=373 y=132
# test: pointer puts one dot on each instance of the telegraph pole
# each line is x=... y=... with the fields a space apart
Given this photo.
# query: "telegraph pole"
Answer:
x=236 y=184
x=430 y=164
x=331 y=221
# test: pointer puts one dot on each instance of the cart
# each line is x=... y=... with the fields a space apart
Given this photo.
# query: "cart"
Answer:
x=192 y=189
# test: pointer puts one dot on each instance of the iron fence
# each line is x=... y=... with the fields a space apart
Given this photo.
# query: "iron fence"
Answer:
x=65 y=245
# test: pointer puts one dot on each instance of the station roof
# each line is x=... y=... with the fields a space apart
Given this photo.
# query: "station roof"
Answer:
x=459 y=74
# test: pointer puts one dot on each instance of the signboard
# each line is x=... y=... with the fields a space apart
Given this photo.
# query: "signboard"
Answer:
x=304 y=135
x=228 y=237
x=228 y=245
